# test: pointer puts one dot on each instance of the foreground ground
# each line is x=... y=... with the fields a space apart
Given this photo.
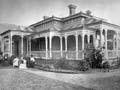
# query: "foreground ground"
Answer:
x=32 y=79
x=15 y=79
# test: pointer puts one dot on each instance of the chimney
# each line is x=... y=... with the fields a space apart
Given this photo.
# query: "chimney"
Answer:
x=71 y=9
x=88 y=12
x=45 y=17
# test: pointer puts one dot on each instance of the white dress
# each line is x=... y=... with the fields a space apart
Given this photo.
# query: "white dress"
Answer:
x=32 y=59
x=15 y=62
x=23 y=65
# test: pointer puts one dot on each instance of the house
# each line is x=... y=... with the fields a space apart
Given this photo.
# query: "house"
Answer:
x=55 y=37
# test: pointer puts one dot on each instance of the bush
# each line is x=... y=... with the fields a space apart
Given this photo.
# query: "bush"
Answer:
x=46 y=66
x=1 y=59
x=106 y=65
x=65 y=64
x=116 y=64
x=94 y=57
x=72 y=65
x=83 y=66
x=10 y=60
x=61 y=64
x=5 y=63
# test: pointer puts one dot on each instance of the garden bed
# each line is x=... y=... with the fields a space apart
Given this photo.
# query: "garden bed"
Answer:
x=62 y=65
x=58 y=70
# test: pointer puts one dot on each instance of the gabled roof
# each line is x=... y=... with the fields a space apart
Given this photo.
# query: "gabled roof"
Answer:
x=114 y=25
x=46 y=20
x=5 y=28
x=89 y=19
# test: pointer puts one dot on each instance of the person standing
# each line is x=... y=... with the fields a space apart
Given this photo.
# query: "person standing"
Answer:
x=23 y=64
x=16 y=62
x=32 y=61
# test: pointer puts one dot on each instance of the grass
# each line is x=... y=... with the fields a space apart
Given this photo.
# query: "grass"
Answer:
x=15 y=79
x=108 y=83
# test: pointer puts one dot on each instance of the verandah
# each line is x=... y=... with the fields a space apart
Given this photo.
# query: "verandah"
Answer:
x=70 y=47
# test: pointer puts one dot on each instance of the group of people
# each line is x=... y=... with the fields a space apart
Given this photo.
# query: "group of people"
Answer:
x=22 y=63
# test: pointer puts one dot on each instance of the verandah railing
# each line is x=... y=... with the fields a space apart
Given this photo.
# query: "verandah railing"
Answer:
x=58 y=54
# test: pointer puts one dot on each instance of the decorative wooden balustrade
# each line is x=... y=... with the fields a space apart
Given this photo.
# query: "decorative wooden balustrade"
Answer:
x=58 y=54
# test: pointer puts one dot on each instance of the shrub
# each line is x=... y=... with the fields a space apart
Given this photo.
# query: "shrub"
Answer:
x=94 y=57
x=1 y=59
x=11 y=59
x=72 y=65
x=47 y=66
x=106 y=65
x=83 y=65
x=60 y=64
x=5 y=60
x=5 y=63
x=116 y=64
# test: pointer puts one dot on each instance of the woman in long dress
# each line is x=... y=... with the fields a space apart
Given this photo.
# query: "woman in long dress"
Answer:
x=16 y=62
x=32 y=61
x=23 y=64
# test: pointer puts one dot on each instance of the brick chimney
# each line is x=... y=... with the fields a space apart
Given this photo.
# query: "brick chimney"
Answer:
x=71 y=9
x=88 y=12
x=45 y=17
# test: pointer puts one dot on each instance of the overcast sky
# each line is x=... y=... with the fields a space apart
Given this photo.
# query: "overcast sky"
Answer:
x=26 y=12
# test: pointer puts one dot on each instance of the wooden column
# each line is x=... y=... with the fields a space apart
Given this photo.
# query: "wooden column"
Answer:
x=66 y=45
x=2 y=45
x=76 y=38
x=94 y=40
x=117 y=43
x=50 y=46
x=27 y=46
x=83 y=45
x=11 y=43
x=61 y=47
x=88 y=39
x=106 y=52
x=39 y=44
x=30 y=46
x=101 y=41
x=22 y=45
x=46 y=45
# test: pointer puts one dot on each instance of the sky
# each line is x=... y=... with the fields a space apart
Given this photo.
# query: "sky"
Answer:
x=27 y=12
